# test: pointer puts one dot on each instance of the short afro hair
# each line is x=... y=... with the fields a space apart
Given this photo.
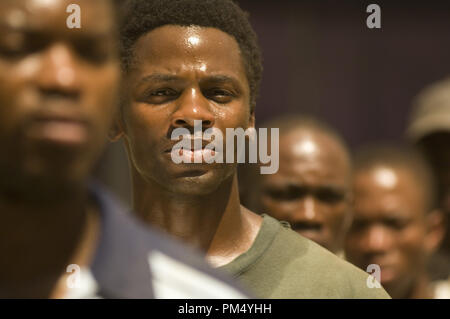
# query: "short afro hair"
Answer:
x=142 y=16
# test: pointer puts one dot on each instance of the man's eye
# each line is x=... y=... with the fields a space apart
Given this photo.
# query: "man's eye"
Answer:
x=18 y=46
x=10 y=52
x=94 y=54
x=280 y=195
x=396 y=223
x=329 y=196
x=220 y=95
x=158 y=96
x=164 y=92
x=284 y=194
x=221 y=92
x=359 y=225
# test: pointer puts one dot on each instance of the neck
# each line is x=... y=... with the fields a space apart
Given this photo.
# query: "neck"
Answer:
x=215 y=223
x=445 y=244
x=37 y=241
x=421 y=289
x=418 y=289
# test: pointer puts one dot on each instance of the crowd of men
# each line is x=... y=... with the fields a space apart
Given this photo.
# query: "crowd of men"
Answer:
x=139 y=70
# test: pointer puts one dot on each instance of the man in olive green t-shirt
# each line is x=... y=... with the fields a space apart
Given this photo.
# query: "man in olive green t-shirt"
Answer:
x=190 y=61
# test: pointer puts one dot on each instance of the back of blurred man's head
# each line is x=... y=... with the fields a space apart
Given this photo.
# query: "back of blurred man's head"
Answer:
x=429 y=128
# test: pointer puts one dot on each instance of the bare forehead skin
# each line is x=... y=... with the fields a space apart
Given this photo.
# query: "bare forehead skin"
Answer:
x=392 y=188
x=96 y=16
x=305 y=148
x=181 y=48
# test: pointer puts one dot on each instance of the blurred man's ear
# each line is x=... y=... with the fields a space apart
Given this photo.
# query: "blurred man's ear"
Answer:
x=349 y=215
x=435 y=230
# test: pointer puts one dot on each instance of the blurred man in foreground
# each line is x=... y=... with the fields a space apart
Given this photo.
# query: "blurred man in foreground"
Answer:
x=396 y=226
x=60 y=237
x=312 y=188
x=429 y=130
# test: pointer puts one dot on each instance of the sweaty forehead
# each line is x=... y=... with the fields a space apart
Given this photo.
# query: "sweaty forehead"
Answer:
x=51 y=15
x=174 y=48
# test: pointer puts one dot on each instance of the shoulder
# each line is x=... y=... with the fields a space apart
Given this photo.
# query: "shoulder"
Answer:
x=304 y=269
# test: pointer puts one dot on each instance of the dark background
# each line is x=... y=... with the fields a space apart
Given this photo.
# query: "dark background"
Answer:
x=320 y=58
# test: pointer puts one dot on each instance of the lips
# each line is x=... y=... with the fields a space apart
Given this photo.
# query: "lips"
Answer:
x=387 y=263
x=388 y=272
x=58 y=129
x=196 y=153
x=309 y=229
x=192 y=156
x=195 y=144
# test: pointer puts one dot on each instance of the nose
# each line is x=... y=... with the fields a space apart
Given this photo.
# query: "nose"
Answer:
x=310 y=208
x=193 y=106
x=307 y=209
x=59 y=74
x=376 y=240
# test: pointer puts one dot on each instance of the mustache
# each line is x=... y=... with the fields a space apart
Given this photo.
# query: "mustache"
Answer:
x=52 y=114
x=306 y=225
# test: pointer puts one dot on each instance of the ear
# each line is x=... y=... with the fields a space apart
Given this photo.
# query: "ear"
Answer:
x=116 y=131
x=435 y=230
x=251 y=121
x=118 y=128
x=349 y=214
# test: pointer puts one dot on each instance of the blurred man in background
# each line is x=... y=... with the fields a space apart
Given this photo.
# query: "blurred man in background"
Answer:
x=429 y=130
x=395 y=225
x=59 y=237
x=312 y=188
